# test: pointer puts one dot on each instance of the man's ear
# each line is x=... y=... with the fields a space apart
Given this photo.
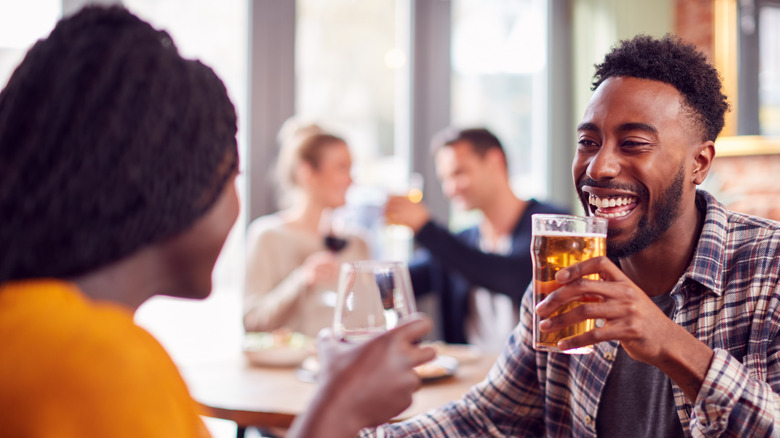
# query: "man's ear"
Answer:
x=495 y=157
x=702 y=161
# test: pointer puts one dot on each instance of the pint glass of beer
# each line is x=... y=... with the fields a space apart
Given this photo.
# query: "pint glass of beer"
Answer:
x=559 y=241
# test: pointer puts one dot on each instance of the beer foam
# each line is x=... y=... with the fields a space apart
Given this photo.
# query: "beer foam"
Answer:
x=568 y=234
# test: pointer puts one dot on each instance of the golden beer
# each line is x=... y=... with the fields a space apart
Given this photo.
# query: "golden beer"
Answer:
x=415 y=195
x=552 y=251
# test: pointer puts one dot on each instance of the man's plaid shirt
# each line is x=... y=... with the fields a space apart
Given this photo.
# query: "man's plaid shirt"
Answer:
x=728 y=299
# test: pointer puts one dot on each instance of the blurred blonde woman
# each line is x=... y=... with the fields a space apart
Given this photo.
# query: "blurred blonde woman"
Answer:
x=291 y=275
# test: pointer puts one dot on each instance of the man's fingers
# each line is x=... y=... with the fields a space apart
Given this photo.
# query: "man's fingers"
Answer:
x=414 y=329
x=602 y=266
x=580 y=290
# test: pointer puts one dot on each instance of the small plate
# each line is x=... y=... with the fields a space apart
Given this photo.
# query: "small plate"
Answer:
x=308 y=370
x=277 y=349
x=440 y=367
x=464 y=353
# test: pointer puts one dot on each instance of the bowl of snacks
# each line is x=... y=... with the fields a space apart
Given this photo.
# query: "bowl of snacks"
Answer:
x=280 y=348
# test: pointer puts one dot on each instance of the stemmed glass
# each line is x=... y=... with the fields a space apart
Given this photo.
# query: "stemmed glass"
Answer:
x=373 y=297
x=333 y=229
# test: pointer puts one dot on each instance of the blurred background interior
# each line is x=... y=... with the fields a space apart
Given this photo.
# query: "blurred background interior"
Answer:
x=387 y=74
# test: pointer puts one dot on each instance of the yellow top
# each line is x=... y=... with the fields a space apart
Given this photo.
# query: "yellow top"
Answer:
x=73 y=367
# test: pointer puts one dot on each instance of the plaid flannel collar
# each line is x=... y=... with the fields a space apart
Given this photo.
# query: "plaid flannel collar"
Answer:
x=709 y=258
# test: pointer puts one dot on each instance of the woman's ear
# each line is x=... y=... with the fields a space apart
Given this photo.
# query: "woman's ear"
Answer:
x=702 y=161
x=303 y=174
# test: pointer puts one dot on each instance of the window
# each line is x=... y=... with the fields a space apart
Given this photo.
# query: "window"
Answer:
x=215 y=33
x=21 y=24
x=499 y=81
x=758 y=99
x=769 y=69
x=350 y=70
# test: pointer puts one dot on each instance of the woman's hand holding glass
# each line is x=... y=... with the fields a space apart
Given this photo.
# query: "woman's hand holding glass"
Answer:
x=367 y=359
x=370 y=383
x=321 y=267
x=373 y=297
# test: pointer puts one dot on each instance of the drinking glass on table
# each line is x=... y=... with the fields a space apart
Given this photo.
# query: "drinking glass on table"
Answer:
x=559 y=241
x=373 y=297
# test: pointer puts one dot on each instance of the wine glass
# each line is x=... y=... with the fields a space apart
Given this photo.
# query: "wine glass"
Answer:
x=333 y=228
x=373 y=297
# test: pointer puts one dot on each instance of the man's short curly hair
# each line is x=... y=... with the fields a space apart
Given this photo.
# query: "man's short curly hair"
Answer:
x=109 y=141
x=672 y=61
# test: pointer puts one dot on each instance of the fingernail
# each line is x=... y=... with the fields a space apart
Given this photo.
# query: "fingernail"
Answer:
x=544 y=325
x=562 y=275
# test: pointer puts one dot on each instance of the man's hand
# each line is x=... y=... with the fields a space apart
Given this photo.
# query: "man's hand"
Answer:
x=644 y=331
x=401 y=211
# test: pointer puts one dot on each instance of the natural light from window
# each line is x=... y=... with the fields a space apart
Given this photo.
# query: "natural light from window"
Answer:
x=499 y=80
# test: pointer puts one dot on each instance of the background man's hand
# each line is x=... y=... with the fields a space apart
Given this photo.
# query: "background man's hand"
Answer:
x=401 y=211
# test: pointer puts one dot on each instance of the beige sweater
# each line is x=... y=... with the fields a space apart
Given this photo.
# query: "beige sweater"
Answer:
x=275 y=292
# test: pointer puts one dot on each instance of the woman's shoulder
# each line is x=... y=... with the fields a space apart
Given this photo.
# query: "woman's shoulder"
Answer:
x=265 y=224
x=68 y=323
x=95 y=344
x=266 y=228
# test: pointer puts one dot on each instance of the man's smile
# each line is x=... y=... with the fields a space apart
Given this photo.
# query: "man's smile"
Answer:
x=611 y=206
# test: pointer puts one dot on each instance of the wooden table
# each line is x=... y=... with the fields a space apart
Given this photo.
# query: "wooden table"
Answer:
x=263 y=397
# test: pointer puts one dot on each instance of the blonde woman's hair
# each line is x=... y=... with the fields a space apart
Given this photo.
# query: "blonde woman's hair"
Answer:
x=299 y=143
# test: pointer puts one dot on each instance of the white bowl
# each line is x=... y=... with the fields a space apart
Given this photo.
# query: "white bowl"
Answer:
x=277 y=349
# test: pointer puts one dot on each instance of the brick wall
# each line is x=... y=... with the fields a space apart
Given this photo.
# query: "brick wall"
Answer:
x=744 y=183
x=693 y=23
x=747 y=184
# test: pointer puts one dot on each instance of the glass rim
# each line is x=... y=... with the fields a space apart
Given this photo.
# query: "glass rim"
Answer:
x=545 y=224
x=362 y=264
x=568 y=217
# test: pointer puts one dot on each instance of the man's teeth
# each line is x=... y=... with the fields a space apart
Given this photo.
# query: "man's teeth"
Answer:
x=611 y=202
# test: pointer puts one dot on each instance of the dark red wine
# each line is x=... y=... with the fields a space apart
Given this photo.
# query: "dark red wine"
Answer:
x=334 y=243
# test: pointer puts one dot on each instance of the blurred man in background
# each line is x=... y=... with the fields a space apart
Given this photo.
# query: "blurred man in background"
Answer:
x=481 y=273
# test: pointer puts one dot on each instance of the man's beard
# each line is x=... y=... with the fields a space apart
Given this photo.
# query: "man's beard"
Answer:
x=663 y=215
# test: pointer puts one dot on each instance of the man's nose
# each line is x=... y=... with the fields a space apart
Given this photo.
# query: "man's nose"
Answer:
x=605 y=164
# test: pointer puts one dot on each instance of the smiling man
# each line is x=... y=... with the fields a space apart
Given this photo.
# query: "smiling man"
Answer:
x=688 y=292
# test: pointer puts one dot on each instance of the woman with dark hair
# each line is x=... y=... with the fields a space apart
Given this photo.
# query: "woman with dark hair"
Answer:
x=117 y=167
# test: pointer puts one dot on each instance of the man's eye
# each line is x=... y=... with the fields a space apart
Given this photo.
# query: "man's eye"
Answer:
x=583 y=142
x=633 y=144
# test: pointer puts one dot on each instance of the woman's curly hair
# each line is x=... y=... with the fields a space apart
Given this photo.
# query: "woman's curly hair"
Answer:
x=109 y=141
x=672 y=61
